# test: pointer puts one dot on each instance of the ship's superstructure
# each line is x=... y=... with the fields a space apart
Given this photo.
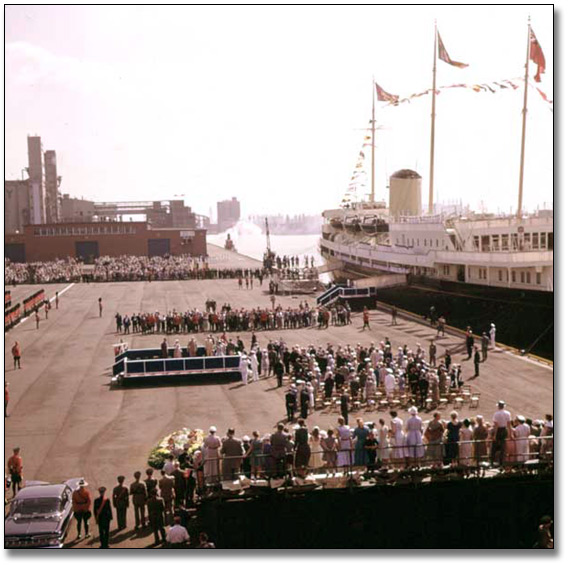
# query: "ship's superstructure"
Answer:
x=369 y=238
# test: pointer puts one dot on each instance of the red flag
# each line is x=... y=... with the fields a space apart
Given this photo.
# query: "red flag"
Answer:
x=384 y=96
x=537 y=56
x=444 y=55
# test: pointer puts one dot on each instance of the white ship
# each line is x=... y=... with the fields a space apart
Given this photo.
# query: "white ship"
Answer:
x=368 y=239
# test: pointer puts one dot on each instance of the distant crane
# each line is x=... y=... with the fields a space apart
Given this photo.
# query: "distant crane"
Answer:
x=268 y=256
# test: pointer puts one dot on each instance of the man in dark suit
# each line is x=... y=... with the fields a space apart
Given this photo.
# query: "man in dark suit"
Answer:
x=279 y=371
x=469 y=342
x=329 y=385
x=279 y=444
x=156 y=516
x=291 y=404
x=476 y=360
x=179 y=485
x=344 y=402
x=103 y=517
x=232 y=452
x=305 y=398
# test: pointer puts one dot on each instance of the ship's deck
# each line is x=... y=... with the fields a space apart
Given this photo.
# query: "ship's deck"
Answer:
x=69 y=422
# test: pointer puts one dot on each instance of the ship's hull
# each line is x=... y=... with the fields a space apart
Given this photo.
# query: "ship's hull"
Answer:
x=524 y=318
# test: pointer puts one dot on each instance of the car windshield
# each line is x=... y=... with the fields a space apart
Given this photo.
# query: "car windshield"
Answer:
x=34 y=506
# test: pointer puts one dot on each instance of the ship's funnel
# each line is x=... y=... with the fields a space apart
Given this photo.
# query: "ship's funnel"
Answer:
x=405 y=193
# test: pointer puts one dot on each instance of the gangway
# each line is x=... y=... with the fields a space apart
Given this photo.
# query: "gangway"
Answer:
x=355 y=296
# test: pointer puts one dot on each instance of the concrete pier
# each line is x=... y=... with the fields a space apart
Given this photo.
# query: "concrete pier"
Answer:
x=69 y=422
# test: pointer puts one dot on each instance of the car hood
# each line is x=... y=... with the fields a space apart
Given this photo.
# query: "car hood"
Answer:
x=32 y=527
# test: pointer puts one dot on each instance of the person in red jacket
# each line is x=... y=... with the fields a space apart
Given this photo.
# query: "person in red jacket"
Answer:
x=81 y=500
x=17 y=354
x=16 y=470
x=366 y=318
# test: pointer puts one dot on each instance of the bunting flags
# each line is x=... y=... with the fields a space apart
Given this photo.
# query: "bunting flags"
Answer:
x=444 y=55
x=493 y=88
x=384 y=96
x=359 y=176
x=537 y=56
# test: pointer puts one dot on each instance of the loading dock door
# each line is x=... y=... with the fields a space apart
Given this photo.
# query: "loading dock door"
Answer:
x=158 y=247
x=87 y=250
x=16 y=252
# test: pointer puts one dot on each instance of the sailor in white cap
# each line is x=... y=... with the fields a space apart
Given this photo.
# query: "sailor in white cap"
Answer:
x=265 y=363
x=502 y=427
x=389 y=383
x=254 y=365
x=243 y=368
x=492 y=336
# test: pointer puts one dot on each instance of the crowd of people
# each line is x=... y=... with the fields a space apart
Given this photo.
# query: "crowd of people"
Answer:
x=171 y=267
x=68 y=270
x=396 y=444
x=357 y=377
x=156 y=502
x=232 y=319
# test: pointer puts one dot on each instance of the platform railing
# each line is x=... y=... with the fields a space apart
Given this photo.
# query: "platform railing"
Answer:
x=538 y=457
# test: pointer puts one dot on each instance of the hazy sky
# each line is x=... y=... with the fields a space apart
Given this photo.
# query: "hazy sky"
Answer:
x=268 y=103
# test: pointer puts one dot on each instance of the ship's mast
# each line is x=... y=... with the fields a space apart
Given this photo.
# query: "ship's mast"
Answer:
x=432 y=144
x=524 y=112
x=373 y=139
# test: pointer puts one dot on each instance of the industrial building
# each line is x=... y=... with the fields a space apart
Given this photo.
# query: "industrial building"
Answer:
x=90 y=240
x=229 y=213
x=34 y=200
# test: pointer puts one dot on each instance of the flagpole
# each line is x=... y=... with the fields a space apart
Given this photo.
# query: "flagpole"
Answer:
x=373 y=139
x=432 y=145
x=524 y=112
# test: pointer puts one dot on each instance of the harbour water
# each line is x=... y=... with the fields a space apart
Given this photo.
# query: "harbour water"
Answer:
x=251 y=240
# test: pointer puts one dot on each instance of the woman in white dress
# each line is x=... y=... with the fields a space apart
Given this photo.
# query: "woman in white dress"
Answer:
x=344 y=458
x=264 y=363
x=521 y=434
x=212 y=444
x=316 y=459
x=397 y=440
x=466 y=449
x=389 y=383
x=415 y=449
x=383 y=447
x=311 y=390
x=177 y=350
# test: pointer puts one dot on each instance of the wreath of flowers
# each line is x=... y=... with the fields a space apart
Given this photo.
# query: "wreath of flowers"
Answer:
x=176 y=443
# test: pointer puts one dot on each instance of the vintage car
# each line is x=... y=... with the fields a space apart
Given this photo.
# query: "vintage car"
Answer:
x=40 y=515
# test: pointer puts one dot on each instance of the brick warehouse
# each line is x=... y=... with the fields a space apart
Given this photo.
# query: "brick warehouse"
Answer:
x=90 y=240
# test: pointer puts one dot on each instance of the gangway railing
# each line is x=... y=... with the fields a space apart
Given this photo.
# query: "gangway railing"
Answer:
x=329 y=295
x=346 y=293
x=175 y=367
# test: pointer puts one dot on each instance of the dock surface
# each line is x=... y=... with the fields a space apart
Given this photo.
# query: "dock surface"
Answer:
x=69 y=422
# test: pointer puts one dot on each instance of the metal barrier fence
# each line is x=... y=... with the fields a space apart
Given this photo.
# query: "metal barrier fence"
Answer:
x=270 y=465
